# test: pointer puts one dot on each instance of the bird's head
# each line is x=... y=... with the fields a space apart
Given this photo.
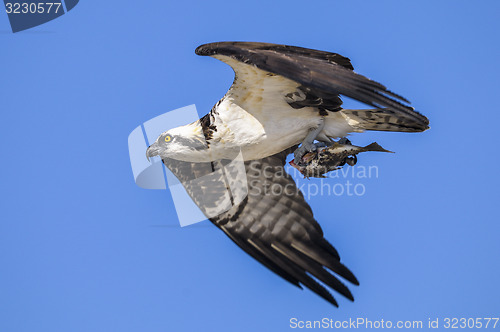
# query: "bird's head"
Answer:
x=181 y=143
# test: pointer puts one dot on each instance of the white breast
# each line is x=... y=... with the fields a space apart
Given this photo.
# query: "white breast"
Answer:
x=255 y=117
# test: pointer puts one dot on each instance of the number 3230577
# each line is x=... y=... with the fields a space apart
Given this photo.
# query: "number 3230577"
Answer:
x=32 y=8
x=478 y=323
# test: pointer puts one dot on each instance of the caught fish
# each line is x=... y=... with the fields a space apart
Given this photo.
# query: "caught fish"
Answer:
x=326 y=159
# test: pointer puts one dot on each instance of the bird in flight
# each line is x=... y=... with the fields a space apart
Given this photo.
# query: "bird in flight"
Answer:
x=284 y=99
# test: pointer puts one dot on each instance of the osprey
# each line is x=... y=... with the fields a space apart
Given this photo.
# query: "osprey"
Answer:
x=282 y=96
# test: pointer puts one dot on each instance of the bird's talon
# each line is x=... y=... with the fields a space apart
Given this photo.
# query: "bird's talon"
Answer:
x=305 y=148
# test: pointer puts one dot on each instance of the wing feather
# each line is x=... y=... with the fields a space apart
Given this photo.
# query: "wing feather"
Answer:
x=319 y=72
x=273 y=224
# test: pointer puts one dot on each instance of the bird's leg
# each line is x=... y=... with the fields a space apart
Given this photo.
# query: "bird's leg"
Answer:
x=308 y=144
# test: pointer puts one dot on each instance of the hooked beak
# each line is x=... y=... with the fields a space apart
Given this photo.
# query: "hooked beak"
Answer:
x=152 y=151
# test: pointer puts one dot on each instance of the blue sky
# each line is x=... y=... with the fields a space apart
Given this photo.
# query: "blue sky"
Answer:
x=82 y=248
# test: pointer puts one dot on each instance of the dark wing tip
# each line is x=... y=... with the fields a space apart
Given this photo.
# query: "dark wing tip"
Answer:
x=354 y=281
x=205 y=49
x=240 y=44
x=345 y=273
x=227 y=47
x=240 y=49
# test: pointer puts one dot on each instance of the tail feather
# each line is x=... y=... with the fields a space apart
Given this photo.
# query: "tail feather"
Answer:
x=385 y=119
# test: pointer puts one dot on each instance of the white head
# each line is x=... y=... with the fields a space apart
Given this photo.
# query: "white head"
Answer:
x=184 y=143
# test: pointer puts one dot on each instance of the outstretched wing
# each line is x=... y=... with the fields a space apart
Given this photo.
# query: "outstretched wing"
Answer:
x=274 y=224
x=312 y=78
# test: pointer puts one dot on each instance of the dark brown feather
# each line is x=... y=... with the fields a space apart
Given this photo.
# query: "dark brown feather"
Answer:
x=321 y=73
x=277 y=228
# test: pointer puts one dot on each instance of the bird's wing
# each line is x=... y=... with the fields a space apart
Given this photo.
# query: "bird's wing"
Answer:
x=273 y=223
x=316 y=78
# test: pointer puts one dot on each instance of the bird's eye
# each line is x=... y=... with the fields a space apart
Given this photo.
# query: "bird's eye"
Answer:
x=168 y=138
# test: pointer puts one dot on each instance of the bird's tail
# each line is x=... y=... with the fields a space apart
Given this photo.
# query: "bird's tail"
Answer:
x=385 y=119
